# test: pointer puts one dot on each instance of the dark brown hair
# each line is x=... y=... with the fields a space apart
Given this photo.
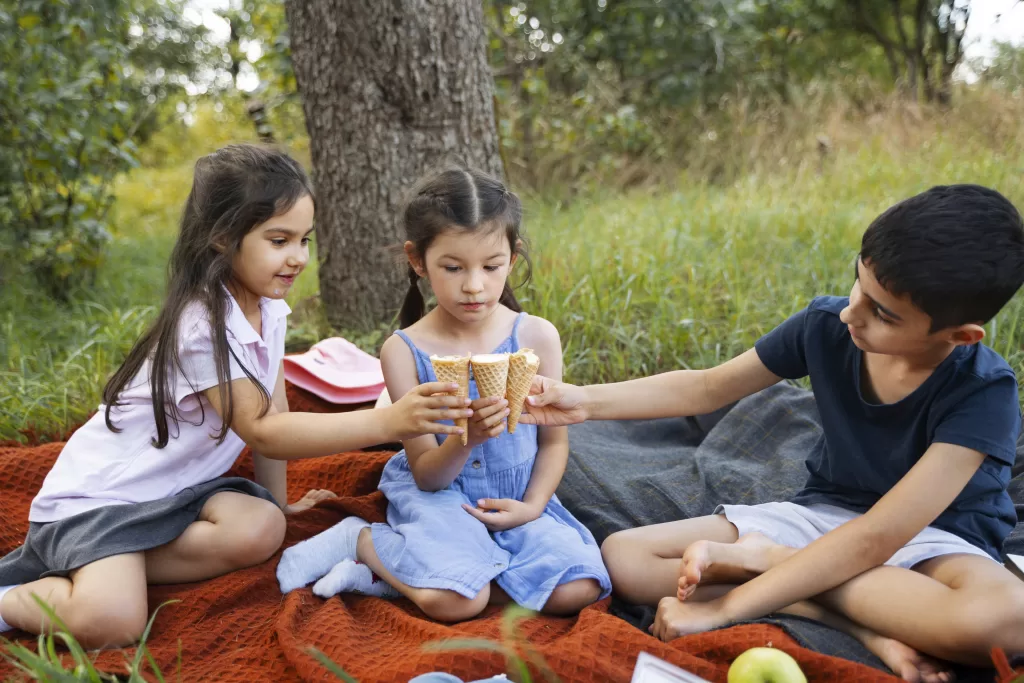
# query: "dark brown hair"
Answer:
x=233 y=190
x=956 y=250
x=463 y=199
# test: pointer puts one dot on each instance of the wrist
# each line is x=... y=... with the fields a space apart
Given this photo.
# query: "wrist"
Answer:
x=536 y=506
x=590 y=404
x=384 y=429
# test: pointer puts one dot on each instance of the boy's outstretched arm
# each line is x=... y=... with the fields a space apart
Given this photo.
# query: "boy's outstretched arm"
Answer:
x=853 y=548
x=671 y=394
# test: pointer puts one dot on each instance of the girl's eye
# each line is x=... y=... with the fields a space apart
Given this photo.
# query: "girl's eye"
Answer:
x=491 y=269
x=279 y=242
x=452 y=269
x=306 y=240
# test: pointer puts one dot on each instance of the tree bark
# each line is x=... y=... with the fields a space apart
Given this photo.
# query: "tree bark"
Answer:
x=390 y=91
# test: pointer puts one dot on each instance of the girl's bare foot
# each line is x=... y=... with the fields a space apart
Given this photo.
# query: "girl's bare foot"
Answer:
x=709 y=562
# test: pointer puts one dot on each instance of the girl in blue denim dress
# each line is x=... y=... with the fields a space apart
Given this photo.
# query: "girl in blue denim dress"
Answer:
x=467 y=524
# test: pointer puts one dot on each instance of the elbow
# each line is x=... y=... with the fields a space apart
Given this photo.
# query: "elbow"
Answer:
x=427 y=484
x=262 y=441
x=428 y=481
x=876 y=547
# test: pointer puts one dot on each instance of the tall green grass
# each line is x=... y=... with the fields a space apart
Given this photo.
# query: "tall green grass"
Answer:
x=684 y=274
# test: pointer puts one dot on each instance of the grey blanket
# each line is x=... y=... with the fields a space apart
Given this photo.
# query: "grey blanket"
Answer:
x=631 y=473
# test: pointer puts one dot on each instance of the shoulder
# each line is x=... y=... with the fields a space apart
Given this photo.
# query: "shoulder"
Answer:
x=827 y=306
x=394 y=349
x=985 y=364
x=978 y=407
x=983 y=377
x=541 y=336
x=536 y=332
x=194 y=326
x=822 y=321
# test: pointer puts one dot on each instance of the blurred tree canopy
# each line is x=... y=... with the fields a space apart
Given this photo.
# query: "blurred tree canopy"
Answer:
x=579 y=84
x=80 y=85
x=1006 y=69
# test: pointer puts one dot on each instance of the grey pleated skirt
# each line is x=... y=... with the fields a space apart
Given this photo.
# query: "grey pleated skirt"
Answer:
x=58 y=548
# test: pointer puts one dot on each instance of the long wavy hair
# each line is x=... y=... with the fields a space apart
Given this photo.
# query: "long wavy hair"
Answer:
x=233 y=190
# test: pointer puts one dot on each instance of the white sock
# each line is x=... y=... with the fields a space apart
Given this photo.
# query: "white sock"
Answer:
x=4 y=626
x=305 y=562
x=349 y=576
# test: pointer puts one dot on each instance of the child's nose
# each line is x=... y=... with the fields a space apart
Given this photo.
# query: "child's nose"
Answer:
x=850 y=316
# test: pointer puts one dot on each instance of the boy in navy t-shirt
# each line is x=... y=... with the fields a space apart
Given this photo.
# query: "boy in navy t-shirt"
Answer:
x=898 y=531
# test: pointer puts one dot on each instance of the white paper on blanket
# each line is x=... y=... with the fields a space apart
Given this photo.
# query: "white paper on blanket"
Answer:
x=650 y=669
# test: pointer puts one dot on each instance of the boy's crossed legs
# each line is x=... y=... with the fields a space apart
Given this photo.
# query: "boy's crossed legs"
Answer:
x=955 y=607
x=104 y=603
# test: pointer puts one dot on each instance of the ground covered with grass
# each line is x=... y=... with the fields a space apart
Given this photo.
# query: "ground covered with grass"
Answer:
x=684 y=273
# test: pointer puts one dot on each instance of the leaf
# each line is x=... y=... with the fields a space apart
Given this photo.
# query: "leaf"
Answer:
x=29 y=21
x=329 y=664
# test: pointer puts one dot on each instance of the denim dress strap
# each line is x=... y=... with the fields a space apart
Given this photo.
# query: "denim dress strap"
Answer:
x=424 y=370
x=515 y=330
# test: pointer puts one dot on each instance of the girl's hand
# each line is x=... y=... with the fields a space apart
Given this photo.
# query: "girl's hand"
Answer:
x=554 y=404
x=421 y=410
x=503 y=513
x=309 y=500
x=488 y=419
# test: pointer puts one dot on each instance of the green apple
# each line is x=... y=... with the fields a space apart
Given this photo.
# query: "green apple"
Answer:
x=765 y=665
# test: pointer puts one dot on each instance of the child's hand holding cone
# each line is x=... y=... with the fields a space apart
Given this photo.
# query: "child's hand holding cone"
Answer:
x=455 y=369
x=503 y=375
x=491 y=374
x=523 y=366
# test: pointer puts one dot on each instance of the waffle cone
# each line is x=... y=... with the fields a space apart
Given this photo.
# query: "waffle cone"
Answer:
x=522 y=366
x=455 y=369
x=491 y=374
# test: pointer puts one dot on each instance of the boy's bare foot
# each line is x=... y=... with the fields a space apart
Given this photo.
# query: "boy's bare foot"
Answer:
x=906 y=662
x=674 y=618
x=709 y=562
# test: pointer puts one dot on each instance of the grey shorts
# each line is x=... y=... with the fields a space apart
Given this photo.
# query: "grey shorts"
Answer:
x=796 y=526
x=58 y=548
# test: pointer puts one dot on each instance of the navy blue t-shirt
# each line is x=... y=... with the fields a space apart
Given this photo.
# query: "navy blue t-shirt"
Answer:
x=970 y=400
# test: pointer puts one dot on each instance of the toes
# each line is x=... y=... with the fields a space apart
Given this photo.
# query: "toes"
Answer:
x=909 y=672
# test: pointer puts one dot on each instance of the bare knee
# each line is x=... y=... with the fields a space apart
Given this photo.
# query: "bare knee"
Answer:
x=992 y=620
x=617 y=548
x=622 y=552
x=449 y=606
x=570 y=598
x=257 y=538
x=97 y=624
x=1004 y=627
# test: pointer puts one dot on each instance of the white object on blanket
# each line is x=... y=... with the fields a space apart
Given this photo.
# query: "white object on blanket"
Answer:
x=349 y=576
x=312 y=559
x=1017 y=560
x=650 y=669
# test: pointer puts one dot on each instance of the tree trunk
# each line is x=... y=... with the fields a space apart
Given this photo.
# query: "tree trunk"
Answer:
x=390 y=91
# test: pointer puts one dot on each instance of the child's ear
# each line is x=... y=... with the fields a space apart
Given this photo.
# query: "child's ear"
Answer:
x=516 y=248
x=415 y=260
x=967 y=335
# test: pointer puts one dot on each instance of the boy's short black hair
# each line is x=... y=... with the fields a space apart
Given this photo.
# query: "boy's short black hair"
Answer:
x=956 y=250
